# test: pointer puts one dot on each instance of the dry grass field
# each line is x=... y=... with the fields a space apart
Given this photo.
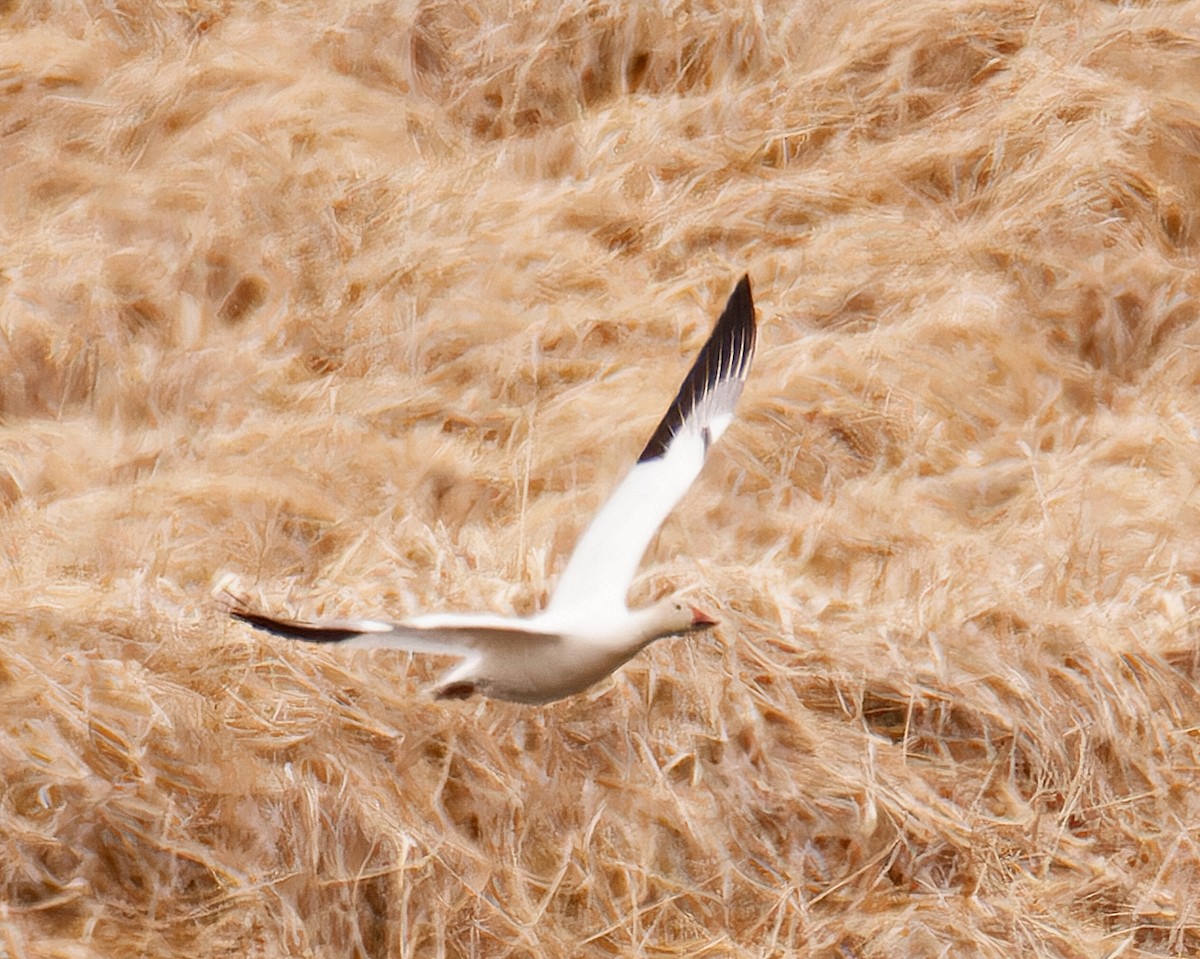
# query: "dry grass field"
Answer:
x=365 y=307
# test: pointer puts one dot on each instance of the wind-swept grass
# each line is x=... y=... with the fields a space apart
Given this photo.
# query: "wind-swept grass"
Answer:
x=368 y=306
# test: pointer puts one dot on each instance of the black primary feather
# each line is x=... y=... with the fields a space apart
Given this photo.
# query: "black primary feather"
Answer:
x=310 y=634
x=725 y=356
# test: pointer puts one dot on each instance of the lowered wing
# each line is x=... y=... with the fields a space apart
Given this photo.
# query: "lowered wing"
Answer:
x=463 y=638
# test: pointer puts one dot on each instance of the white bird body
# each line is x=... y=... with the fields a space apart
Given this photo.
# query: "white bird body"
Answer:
x=586 y=631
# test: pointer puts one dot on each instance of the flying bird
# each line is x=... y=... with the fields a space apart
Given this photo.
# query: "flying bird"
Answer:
x=587 y=630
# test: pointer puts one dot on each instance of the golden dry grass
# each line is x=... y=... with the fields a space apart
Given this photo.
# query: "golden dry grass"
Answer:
x=369 y=305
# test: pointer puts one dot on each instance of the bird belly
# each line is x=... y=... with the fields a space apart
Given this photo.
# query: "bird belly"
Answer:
x=542 y=676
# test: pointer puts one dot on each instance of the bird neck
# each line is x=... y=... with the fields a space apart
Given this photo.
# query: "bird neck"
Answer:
x=651 y=623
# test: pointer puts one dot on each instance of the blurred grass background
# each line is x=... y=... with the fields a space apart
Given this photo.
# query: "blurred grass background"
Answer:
x=370 y=305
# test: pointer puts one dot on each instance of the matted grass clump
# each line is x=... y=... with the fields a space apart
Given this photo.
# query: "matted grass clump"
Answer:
x=365 y=308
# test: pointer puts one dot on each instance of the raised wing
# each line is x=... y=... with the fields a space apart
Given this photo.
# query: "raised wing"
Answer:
x=601 y=568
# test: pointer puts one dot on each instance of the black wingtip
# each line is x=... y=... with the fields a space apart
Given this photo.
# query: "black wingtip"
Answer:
x=733 y=335
x=309 y=634
x=742 y=295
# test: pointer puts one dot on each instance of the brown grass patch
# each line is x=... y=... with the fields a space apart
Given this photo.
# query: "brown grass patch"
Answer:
x=369 y=306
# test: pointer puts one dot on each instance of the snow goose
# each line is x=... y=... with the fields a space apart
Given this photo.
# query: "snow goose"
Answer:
x=586 y=631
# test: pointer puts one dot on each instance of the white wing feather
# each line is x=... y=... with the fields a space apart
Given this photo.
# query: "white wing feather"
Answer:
x=601 y=568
